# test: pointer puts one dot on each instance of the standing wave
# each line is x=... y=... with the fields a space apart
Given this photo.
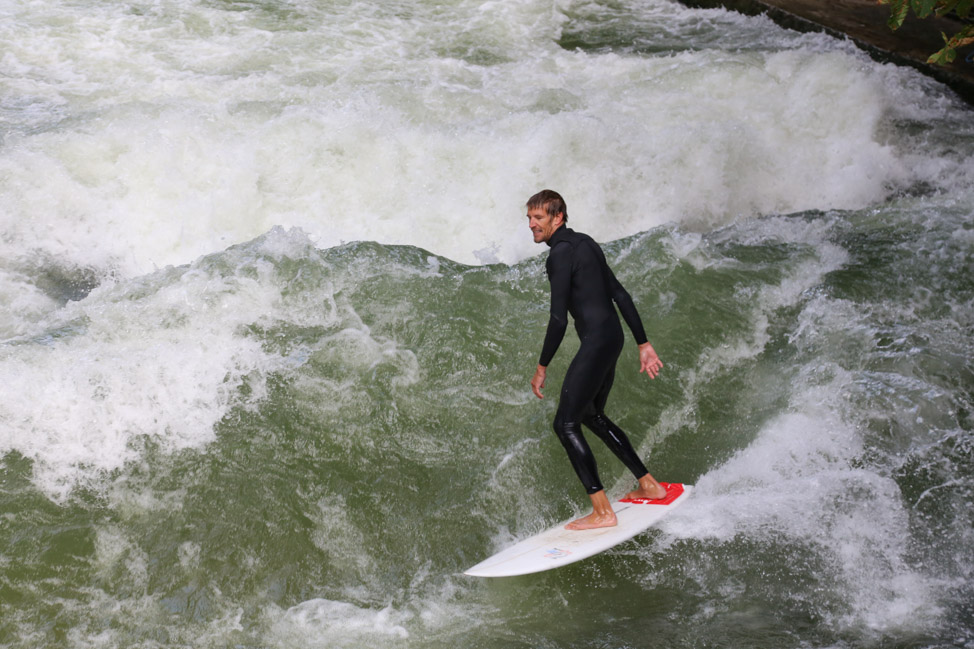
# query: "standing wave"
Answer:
x=378 y=436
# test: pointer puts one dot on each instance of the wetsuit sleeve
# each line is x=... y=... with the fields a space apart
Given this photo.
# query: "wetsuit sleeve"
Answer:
x=559 y=267
x=627 y=308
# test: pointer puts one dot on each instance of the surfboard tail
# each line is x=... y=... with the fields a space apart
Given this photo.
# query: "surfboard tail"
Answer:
x=558 y=547
x=673 y=491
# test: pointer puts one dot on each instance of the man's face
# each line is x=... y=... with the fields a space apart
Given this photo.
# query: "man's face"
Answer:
x=542 y=224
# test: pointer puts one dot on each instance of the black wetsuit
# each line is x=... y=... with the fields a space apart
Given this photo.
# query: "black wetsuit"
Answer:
x=583 y=285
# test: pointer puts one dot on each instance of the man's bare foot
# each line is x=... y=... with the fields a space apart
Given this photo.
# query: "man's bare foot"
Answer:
x=593 y=521
x=647 y=495
x=649 y=489
x=601 y=516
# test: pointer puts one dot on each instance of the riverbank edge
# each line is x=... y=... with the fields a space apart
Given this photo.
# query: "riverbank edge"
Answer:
x=864 y=22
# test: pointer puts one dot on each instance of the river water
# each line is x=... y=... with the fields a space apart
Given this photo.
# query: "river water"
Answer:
x=270 y=309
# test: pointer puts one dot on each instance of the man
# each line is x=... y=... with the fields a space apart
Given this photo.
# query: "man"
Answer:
x=583 y=285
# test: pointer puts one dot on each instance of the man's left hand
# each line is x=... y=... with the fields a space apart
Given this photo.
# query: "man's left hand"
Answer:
x=649 y=361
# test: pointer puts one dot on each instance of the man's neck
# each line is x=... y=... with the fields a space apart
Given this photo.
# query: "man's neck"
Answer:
x=557 y=234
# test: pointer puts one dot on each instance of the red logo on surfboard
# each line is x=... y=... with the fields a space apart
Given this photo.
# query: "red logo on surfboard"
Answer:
x=673 y=491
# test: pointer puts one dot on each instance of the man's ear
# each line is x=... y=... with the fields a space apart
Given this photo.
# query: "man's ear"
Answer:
x=560 y=219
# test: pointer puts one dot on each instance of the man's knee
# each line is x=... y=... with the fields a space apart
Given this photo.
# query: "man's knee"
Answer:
x=570 y=435
x=565 y=429
x=598 y=423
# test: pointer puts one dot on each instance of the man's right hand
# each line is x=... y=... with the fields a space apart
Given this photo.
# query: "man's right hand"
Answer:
x=537 y=382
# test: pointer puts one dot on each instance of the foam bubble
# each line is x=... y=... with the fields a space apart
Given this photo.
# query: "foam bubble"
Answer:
x=25 y=304
x=329 y=623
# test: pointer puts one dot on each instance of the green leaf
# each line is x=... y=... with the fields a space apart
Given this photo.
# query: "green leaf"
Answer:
x=897 y=13
x=943 y=57
x=964 y=8
x=949 y=52
x=923 y=8
x=963 y=37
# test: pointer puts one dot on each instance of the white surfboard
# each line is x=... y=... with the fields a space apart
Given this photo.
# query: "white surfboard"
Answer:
x=558 y=547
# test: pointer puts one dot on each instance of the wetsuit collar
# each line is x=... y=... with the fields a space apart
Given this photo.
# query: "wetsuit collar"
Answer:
x=562 y=232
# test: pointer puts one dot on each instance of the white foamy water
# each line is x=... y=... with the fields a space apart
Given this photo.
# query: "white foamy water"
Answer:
x=147 y=136
x=800 y=481
x=811 y=476
x=160 y=358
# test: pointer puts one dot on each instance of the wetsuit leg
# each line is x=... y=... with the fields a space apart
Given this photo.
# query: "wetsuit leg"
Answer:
x=583 y=461
x=592 y=365
x=609 y=432
x=617 y=441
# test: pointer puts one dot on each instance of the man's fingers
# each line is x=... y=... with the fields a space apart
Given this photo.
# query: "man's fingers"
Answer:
x=538 y=381
x=652 y=368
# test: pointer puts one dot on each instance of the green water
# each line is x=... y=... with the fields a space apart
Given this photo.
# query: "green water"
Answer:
x=397 y=444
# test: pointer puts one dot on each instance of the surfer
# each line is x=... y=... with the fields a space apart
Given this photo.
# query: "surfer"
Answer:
x=583 y=285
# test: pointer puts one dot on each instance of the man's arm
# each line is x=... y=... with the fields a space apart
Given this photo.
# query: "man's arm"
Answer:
x=559 y=268
x=627 y=308
x=649 y=361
